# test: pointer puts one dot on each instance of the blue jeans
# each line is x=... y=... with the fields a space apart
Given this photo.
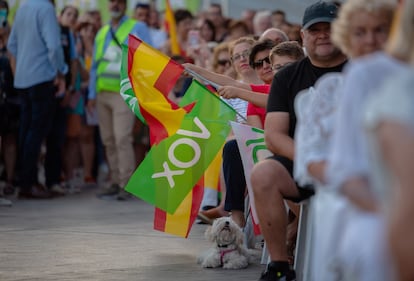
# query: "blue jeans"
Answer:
x=37 y=112
x=54 y=145
x=234 y=177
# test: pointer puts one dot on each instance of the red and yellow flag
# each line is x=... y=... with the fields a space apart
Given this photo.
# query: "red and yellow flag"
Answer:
x=172 y=29
x=147 y=78
x=181 y=221
x=152 y=75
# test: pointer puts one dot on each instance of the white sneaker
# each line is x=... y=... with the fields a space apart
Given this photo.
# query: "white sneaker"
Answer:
x=73 y=187
x=5 y=202
x=57 y=190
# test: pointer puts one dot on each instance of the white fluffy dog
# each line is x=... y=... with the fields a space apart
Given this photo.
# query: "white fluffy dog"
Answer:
x=228 y=250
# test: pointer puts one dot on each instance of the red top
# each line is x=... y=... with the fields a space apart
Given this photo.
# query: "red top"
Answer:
x=257 y=110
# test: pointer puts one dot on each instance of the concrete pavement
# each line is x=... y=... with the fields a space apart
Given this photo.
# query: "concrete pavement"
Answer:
x=80 y=237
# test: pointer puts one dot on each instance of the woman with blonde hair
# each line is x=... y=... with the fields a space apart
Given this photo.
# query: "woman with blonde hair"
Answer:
x=360 y=31
x=350 y=169
x=390 y=121
x=348 y=164
x=350 y=29
x=239 y=51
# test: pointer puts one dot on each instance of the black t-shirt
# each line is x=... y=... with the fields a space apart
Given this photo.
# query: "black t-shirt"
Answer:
x=289 y=81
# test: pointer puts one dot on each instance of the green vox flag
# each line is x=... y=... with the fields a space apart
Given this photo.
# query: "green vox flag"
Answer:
x=173 y=167
x=127 y=92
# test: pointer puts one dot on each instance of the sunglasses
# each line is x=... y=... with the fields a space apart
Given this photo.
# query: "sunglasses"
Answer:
x=259 y=63
x=223 y=62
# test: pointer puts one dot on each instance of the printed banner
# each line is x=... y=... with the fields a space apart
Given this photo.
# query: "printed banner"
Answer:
x=252 y=148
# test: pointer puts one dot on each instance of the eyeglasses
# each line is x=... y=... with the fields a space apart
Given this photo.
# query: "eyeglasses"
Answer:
x=278 y=67
x=245 y=54
x=259 y=63
x=223 y=62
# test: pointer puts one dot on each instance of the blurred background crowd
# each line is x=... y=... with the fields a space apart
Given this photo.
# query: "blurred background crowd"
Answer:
x=203 y=36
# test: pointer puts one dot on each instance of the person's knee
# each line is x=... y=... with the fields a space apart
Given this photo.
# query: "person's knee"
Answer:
x=107 y=137
x=261 y=177
x=266 y=177
x=124 y=140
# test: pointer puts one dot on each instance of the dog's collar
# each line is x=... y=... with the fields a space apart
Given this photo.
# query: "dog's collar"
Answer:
x=222 y=253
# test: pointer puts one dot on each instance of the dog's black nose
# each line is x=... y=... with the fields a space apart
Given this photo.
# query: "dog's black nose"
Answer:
x=227 y=223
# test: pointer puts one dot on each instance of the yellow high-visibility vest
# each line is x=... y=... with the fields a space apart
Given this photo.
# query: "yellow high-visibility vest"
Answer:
x=109 y=61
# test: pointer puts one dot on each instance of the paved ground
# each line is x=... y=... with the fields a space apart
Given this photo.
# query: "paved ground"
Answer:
x=79 y=237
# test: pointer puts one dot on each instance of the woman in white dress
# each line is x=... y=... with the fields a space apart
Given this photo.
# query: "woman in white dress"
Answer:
x=389 y=120
x=350 y=170
x=392 y=159
x=361 y=29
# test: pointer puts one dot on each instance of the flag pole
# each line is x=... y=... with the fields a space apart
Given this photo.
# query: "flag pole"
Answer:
x=215 y=85
x=202 y=78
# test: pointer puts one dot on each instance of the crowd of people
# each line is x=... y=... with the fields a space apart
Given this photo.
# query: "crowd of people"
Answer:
x=60 y=140
x=332 y=95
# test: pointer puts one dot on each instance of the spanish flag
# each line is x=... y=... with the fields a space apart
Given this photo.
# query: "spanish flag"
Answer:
x=171 y=28
x=147 y=78
x=185 y=138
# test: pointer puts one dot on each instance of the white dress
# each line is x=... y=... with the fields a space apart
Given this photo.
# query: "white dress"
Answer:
x=315 y=111
x=394 y=102
x=363 y=78
x=363 y=251
x=348 y=243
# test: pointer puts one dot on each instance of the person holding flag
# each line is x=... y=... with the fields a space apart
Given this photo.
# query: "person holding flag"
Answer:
x=186 y=138
x=116 y=121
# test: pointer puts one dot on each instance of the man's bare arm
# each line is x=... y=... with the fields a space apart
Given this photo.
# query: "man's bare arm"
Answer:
x=277 y=136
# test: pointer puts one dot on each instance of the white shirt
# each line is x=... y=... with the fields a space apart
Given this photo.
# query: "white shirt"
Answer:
x=240 y=106
x=349 y=154
x=315 y=109
x=394 y=102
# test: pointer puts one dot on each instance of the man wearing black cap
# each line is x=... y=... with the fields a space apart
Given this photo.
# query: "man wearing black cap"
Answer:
x=272 y=179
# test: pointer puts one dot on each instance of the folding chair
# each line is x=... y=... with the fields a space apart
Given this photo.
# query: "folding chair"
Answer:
x=303 y=251
x=249 y=236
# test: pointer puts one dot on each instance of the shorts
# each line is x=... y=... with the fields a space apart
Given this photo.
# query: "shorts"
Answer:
x=305 y=192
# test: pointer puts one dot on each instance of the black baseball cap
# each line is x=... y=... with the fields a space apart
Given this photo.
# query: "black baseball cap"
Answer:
x=142 y=5
x=320 y=11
